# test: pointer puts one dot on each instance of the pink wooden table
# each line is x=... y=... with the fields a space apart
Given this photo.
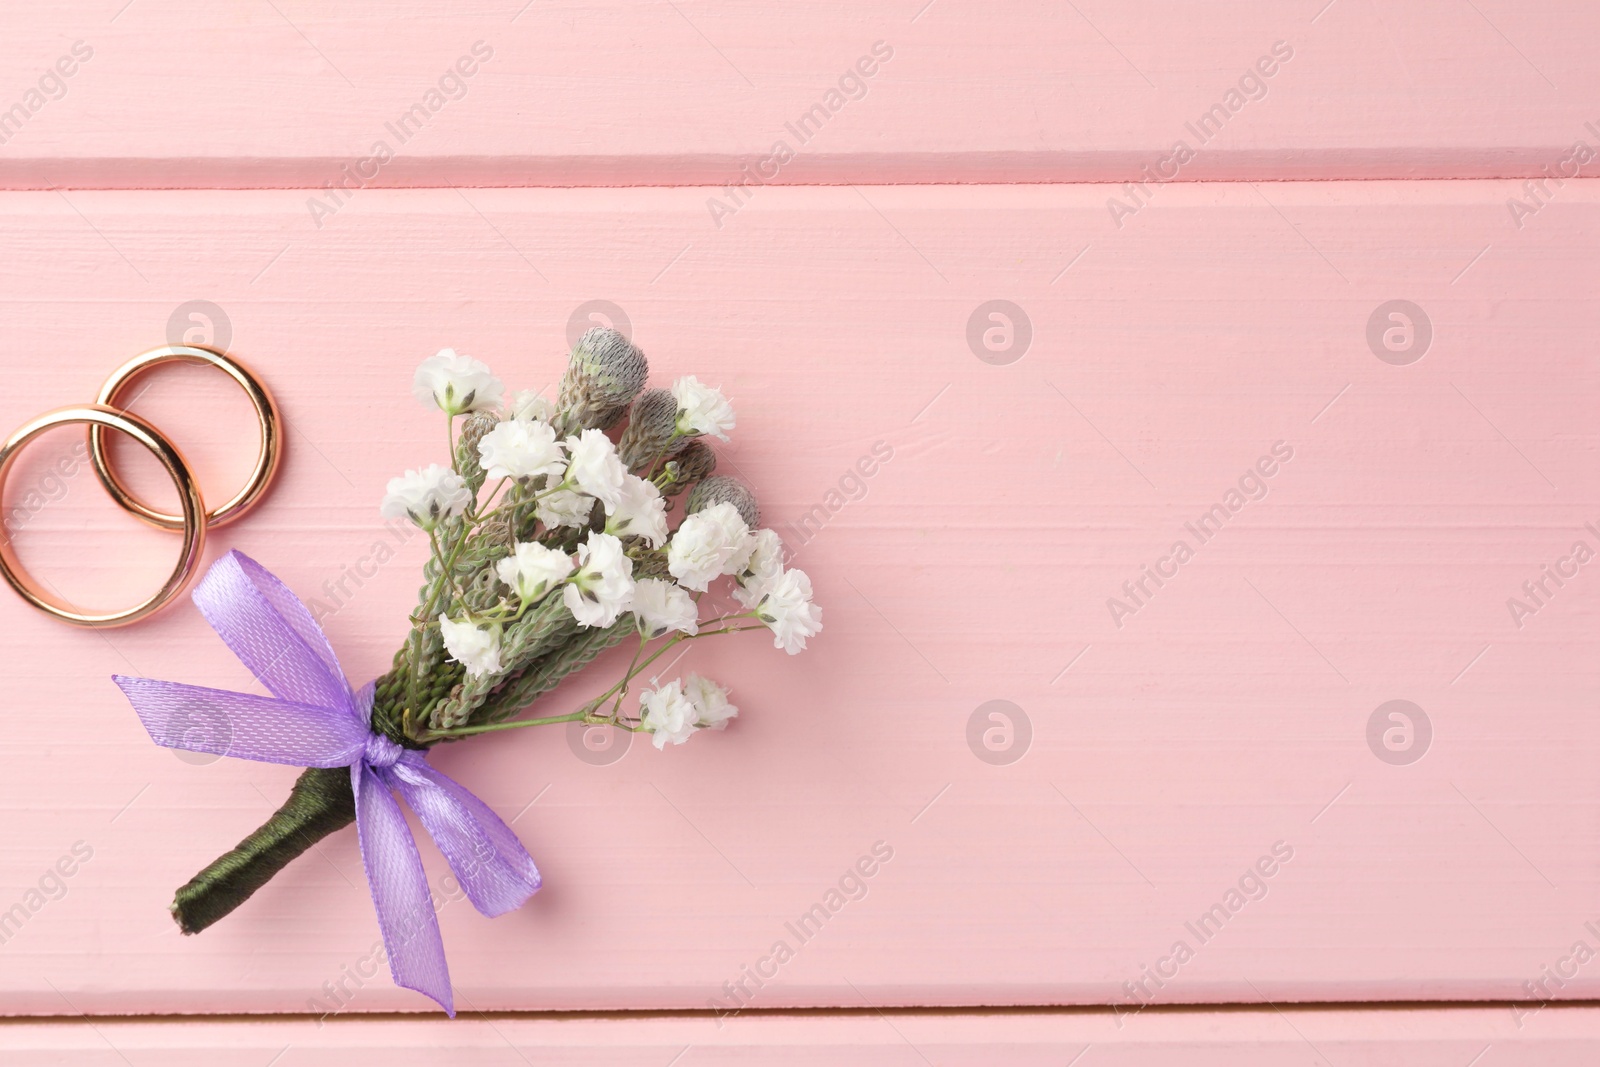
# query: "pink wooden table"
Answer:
x=1216 y=803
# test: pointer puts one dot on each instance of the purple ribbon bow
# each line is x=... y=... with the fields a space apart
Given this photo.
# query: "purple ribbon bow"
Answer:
x=315 y=719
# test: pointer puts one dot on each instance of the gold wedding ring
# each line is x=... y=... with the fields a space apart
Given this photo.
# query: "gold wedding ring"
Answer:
x=192 y=521
x=267 y=423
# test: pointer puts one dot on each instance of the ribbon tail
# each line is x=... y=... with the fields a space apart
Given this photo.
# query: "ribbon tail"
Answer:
x=493 y=868
x=400 y=892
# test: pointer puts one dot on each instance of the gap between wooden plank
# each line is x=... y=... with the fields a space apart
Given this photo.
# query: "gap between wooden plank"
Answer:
x=680 y=171
x=970 y=1011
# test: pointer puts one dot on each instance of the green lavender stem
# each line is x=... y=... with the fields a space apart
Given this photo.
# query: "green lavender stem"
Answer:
x=547 y=672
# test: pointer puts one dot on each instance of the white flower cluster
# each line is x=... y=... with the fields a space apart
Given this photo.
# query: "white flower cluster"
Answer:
x=428 y=496
x=716 y=541
x=457 y=384
x=556 y=486
x=702 y=409
x=475 y=647
x=673 y=712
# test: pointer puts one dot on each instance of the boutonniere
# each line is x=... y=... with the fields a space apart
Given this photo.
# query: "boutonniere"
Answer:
x=550 y=543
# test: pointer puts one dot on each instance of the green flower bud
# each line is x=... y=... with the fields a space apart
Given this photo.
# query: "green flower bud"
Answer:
x=605 y=373
x=695 y=462
x=651 y=425
x=721 y=489
x=473 y=430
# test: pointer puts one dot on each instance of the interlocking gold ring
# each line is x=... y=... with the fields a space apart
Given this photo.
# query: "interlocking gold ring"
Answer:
x=192 y=521
x=267 y=420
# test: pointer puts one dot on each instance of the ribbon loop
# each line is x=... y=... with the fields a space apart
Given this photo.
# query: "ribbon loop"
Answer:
x=271 y=632
x=489 y=861
x=314 y=719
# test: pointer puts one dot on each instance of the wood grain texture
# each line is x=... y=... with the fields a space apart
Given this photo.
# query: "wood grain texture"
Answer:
x=292 y=93
x=1258 y=1037
x=1168 y=756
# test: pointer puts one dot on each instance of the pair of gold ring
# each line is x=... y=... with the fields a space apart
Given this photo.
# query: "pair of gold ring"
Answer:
x=193 y=519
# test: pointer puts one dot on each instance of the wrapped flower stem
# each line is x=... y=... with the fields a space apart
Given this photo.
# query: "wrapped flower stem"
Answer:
x=319 y=804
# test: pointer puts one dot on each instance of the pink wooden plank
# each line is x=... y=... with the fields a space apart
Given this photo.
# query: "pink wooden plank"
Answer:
x=1417 y=1037
x=1168 y=757
x=293 y=93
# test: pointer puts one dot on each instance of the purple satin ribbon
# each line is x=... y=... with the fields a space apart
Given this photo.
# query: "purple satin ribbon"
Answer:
x=315 y=719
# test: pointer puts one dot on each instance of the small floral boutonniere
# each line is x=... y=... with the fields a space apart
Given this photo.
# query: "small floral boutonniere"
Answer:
x=549 y=544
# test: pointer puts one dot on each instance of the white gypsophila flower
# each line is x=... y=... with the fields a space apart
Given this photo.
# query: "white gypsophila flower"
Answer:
x=639 y=512
x=707 y=544
x=602 y=587
x=517 y=449
x=789 y=613
x=564 y=508
x=737 y=533
x=710 y=702
x=761 y=569
x=595 y=467
x=702 y=409
x=667 y=714
x=534 y=570
x=660 y=607
x=530 y=405
x=427 y=496
x=456 y=383
x=475 y=647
